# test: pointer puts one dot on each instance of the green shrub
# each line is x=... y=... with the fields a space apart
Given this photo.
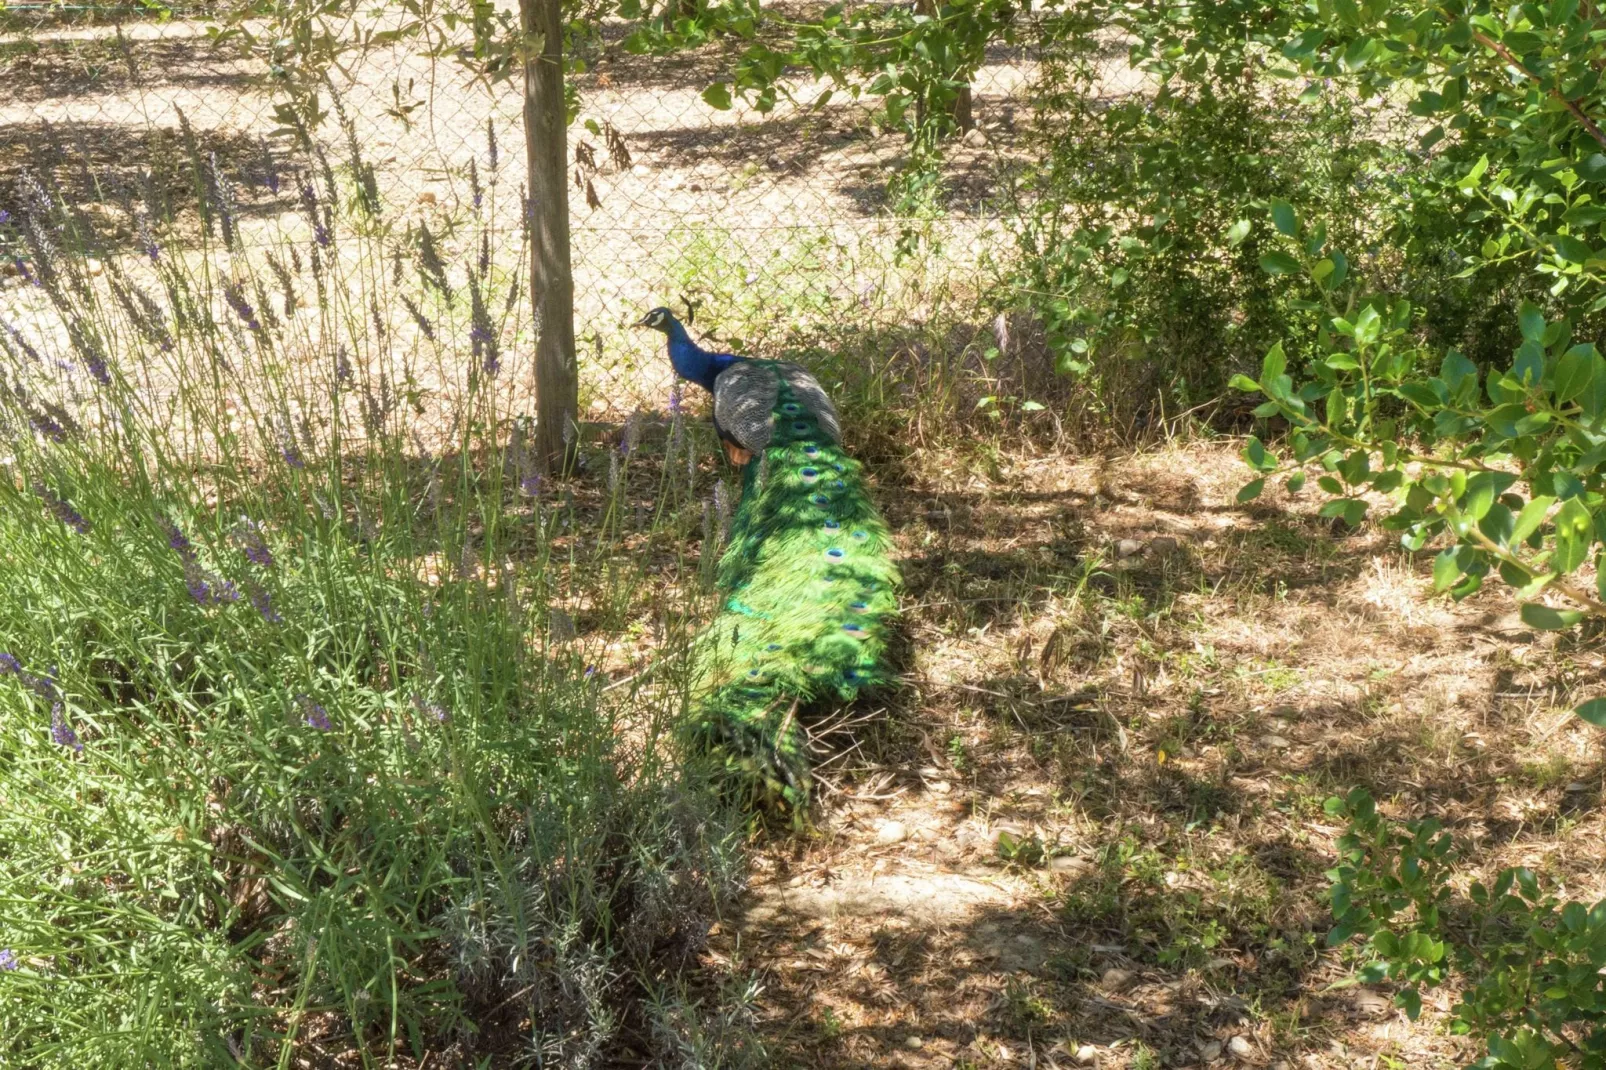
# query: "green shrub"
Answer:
x=1527 y=966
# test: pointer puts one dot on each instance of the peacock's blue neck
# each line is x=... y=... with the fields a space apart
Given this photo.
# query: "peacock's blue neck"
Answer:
x=692 y=362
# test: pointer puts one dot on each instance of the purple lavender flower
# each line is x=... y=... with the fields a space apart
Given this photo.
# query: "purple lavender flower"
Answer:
x=309 y=202
x=531 y=484
x=429 y=260
x=147 y=239
x=199 y=586
x=490 y=139
x=234 y=295
x=43 y=686
x=43 y=423
x=424 y=326
x=62 y=732
x=314 y=715
x=9 y=663
x=61 y=509
x=676 y=402
x=8 y=959
x=270 y=170
x=177 y=541
x=262 y=601
x=482 y=333
x=291 y=455
x=342 y=365
x=248 y=536
x=22 y=269
x=85 y=341
x=5 y=217
x=474 y=184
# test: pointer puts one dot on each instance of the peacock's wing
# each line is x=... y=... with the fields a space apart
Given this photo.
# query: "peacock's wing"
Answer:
x=744 y=403
x=807 y=392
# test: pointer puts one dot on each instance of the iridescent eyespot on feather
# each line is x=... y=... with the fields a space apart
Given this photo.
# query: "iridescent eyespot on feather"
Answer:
x=800 y=426
x=859 y=607
x=811 y=451
x=791 y=408
x=809 y=474
x=820 y=499
x=852 y=629
x=835 y=553
x=754 y=674
x=838 y=484
x=860 y=536
x=773 y=647
x=839 y=467
x=833 y=525
x=851 y=675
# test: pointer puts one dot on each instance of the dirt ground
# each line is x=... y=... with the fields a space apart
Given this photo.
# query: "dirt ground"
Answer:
x=1090 y=832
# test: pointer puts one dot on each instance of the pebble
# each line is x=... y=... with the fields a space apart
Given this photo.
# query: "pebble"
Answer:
x=1128 y=548
x=95 y=266
x=1115 y=979
x=1241 y=1047
x=891 y=832
x=1210 y=1051
x=1164 y=544
x=1069 y=864
x=974 y=138
x=1276 y=742
x=1087 y=1055
x=913 y=1043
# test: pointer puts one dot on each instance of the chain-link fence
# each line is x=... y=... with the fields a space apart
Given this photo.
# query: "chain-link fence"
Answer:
x=770 y=224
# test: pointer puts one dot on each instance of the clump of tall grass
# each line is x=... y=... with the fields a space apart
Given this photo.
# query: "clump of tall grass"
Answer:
x=302 y=758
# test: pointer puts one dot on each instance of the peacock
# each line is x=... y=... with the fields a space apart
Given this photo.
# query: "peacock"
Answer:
x=809 y=585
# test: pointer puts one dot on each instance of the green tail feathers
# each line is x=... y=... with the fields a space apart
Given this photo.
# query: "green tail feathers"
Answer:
x=811 y=594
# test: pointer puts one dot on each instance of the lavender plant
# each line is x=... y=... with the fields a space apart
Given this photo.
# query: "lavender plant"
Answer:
x=305 y=778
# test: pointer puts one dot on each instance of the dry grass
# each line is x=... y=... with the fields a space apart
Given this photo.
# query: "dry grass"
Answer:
x=1092 y=830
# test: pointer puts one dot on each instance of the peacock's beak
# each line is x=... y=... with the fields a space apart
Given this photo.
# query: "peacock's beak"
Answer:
x=645 y=321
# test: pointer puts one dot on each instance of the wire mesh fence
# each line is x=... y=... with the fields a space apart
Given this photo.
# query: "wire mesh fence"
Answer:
x=769 y=224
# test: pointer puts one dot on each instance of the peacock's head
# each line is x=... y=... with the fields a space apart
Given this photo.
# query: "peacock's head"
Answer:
x=659 y=319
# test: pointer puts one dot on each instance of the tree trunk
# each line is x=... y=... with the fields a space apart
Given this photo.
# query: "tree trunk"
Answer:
x=961 y=110
x=546 y=137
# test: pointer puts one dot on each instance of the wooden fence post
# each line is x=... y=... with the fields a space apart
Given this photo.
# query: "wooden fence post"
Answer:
x=546 y=146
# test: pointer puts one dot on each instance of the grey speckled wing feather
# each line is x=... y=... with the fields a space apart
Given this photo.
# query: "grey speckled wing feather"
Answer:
x=744 y=403
x=806 y=391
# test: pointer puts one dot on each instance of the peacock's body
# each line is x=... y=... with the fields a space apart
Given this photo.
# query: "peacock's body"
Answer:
x=810 y=586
